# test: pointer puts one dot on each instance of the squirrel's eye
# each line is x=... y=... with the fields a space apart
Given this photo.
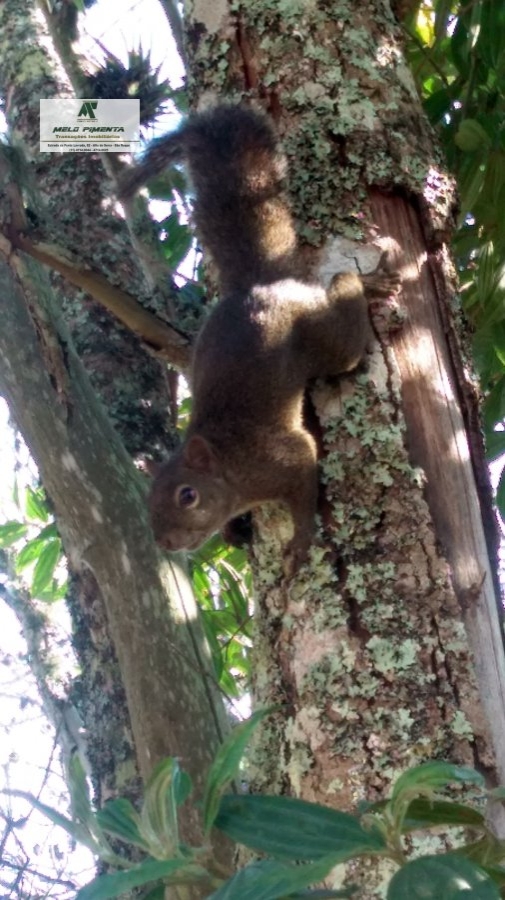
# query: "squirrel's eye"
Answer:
x=187 y=496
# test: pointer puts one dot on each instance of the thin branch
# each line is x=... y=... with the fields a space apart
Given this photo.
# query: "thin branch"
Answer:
x=163 y=339
x=427 y=52
x=175 y=22
x=21 y=867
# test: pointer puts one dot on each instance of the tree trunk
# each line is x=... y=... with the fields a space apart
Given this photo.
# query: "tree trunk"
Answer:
x=130 y=607
x=386 y=650
x=366 y=650
x=101 y=513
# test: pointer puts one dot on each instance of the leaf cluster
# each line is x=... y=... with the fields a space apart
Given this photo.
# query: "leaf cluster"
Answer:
x=41 y=553
x=221 y=581
x=457 y=53
x=138 y=79
x=300 y=843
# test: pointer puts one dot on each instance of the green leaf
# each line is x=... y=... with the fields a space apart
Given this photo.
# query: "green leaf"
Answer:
x=459 y=48
x=488 y=346
x=267 y=880
x=105 y=887
x=157 y=893
x=495 y=445
x=431 y=776
x=496 y=874
x=443 y=10
x=80 y=800
x=32 y=549
x=52 y=814
x=437 y=105
x=120 y=818
x=209 y=626
x=494 y=405
x=30 y=552
x=10 y=532
x=492 y=33
x=49 y=531
x=48 y=560
x=178 y=240
x=471 y=182
x=36 y=505
x=500 y=495
x=423 y=812
x=489 y=286
x=179 y=97
x=54 y=592
x=158 y=819
x=446 y=877
x=471 y=136
x=163 y=186
x=226 y=764
x=291 y=829
x=82 y=810
x=233 y=584
x=182 y=787
x=487 y=852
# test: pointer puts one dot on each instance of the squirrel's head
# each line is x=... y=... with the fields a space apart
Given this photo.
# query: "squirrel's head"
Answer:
x=190 y=499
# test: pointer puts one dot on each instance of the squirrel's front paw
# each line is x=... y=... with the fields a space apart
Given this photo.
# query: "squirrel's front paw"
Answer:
x=384 y=281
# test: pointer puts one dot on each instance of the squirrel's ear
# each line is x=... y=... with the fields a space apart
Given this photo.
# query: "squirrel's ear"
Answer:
x=198 y=455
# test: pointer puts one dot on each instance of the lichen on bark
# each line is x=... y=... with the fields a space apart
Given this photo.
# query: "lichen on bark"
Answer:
x=365 y=651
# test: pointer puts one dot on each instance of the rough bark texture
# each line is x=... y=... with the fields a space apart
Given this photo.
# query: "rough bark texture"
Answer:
x=71 y=197
x=99 y=695
x=444 y=438
x=100 y=508
x=367 y=648
x=146 y=687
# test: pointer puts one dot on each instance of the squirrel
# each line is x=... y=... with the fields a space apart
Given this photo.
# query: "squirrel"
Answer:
x=272 y=331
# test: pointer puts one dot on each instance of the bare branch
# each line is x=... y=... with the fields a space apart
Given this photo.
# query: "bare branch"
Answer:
x=21 y=868
x=163 y=339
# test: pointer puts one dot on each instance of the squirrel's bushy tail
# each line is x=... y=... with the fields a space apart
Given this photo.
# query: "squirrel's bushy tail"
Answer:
x=241 y=213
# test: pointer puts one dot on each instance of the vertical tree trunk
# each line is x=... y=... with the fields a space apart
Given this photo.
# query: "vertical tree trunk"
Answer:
x=367 y=648
x=100 y=508
x=130 y=608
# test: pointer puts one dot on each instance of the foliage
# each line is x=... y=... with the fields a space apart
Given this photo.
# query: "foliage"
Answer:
x=220 y=574
x=222 y=583
x=457 y=53
x=35 y=547
x=303 y=841
x=138 y=79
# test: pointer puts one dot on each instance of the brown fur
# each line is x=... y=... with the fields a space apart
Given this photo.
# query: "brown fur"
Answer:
x=271 y=332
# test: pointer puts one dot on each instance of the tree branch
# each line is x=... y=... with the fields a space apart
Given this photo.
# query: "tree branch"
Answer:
x=24 y=868
x=175 y=22
x=163 y=339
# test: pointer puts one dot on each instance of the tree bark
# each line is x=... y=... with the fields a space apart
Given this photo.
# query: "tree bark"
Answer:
x=130 y=608
x=100 y=508
x=366 y=650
